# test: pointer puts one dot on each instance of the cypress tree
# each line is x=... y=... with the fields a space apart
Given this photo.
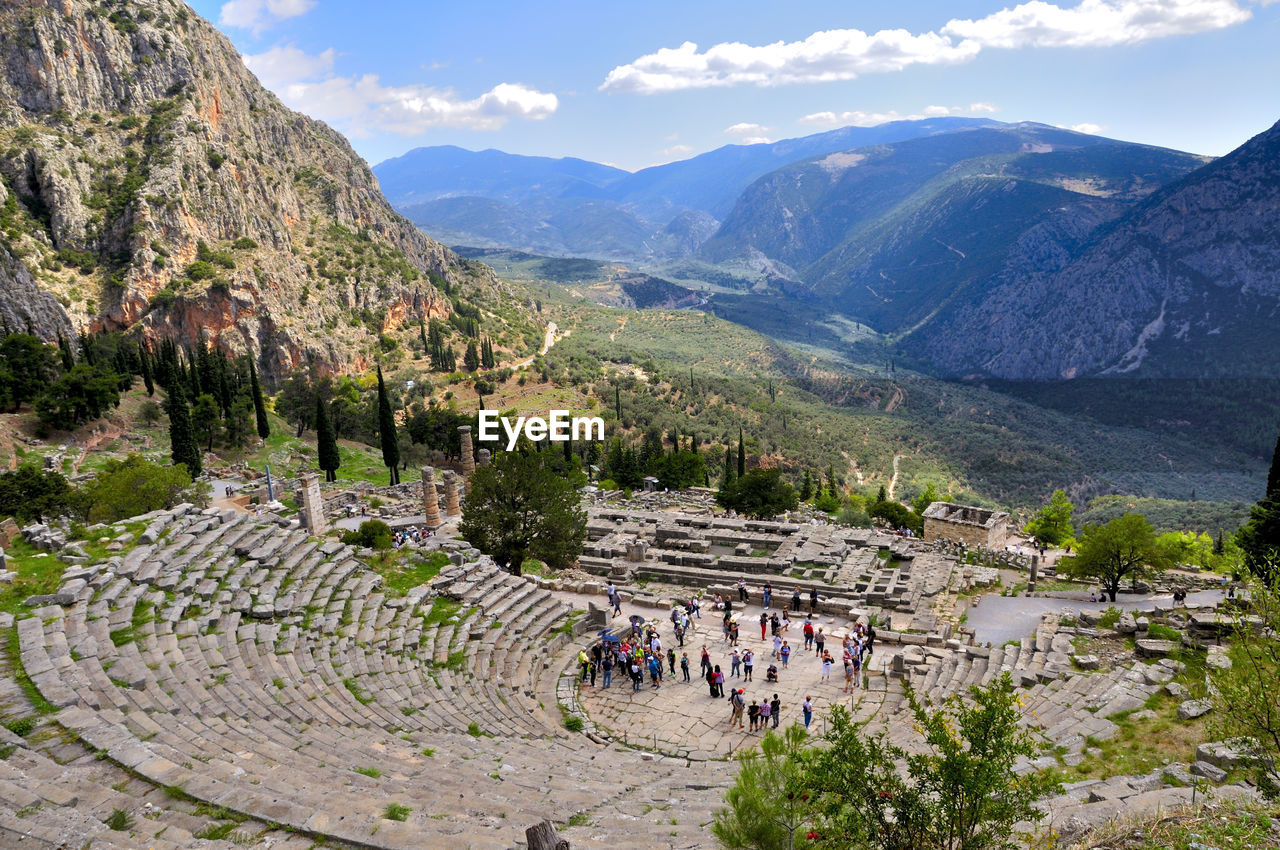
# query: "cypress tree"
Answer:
x=617 y=402
x=148 y=378
x=64 y=349
x=728 y=466
x=1273 y=476
x=742 y=455
x=259 y=406
x=472 y=357
x=387 y=431
x=182 y=439
x=326 y=442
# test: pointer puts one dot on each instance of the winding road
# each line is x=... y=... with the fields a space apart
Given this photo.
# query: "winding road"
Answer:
x=548 y=341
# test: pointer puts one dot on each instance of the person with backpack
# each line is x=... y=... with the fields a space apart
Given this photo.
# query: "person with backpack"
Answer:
x=748 y=659
x=753 y=715
x=807 y=708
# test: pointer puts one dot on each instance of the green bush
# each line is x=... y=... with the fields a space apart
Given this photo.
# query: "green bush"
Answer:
x=372 y=534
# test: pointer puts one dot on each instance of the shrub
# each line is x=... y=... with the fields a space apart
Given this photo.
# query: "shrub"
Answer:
x=396 y=811
x=372 y=534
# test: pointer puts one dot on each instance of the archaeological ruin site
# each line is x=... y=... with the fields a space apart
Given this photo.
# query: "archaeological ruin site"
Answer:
x=230 y=674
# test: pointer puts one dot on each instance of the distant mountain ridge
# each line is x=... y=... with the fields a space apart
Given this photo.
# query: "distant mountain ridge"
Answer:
x=571 y=206
x=1186 y=284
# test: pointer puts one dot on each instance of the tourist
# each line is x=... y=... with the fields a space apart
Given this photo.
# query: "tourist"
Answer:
x=637 y=677
x=775 y=710
x=717 y=682
x=742 y=590
x=785 y=653
x=680 y=633
x=735 y=665
x=684 y=665
x=736 y=701
x=765 y=711
x=706 y=660
x=594 y=666
x=767 y=592
x=753 y=715
x=655 y=671
x=826 y=667
x=813 y=600
x=871 y=639
x=819 y=641
x=671 y=660
x=777 y=644
x=724 y=630
x=808 y=634
x=848 y=674
x=775 y=625
x=807 y=708
x=795 y=599
x=764 y=624
x=856 y=661
x=616 y=599
x=583 y=662
x=606 y=667
x=786 y=623
x=748 y=659
x=733 y=633
x=771 y=675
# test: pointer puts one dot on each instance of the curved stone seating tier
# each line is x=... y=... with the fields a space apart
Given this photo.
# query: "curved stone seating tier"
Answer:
x=258 y=670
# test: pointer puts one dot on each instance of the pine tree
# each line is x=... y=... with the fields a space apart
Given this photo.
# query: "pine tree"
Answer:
x=742 y=455
x=259 y=406
x=326 y=442
x=387 y=431
x=182 y=439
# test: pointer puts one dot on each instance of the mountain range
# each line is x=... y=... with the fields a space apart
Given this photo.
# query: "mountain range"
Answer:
x=571 y=206
x=972 y=247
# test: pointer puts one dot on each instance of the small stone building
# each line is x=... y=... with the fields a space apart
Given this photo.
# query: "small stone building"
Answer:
x=974 y=526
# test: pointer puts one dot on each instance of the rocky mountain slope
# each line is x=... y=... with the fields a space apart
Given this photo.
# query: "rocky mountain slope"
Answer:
x=1187 y=284
x=570 y=206
x=893 y=234
x=150 y=182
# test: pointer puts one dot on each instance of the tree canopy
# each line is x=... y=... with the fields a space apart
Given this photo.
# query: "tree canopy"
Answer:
x=132 y=486
x=521 y=507
x=1052 y=523
x=1124 y=548
x=29 y=493
x=761 y=493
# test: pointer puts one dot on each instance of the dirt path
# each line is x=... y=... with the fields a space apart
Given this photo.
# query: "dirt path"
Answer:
x=853 y=466
x=893 y=482
x=622 y=323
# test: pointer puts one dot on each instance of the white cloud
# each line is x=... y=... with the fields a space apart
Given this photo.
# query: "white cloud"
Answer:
x=859 y=118
x=258 y=15
x=1097 y=23
x=1091 y=129
x=750 y=134
x=361 y=105
x=848 y=53
x=676 y=151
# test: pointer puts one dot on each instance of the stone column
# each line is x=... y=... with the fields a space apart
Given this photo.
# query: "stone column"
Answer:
x=451 y=505
x=430 y=498
x=483 y=457
x=460 y=491
x=468 y=451
x=312 y=512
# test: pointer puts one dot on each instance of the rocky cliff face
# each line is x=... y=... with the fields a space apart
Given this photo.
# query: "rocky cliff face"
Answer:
x=1187 y=284
x=152 y=183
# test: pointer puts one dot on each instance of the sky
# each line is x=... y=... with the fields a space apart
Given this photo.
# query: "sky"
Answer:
x=636 y=84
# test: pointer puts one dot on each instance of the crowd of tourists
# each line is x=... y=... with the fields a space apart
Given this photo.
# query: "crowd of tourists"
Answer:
x=636 y=654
